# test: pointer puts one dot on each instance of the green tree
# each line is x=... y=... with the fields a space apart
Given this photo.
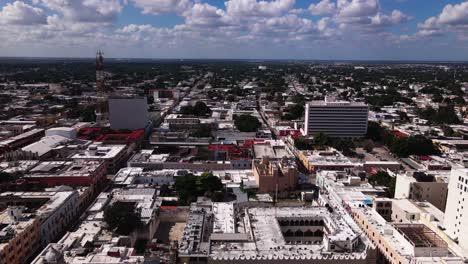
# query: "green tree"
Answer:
x=321 y=139
x=368 y=148
x=294 y=112
x=413 y=145
x=374 y=131
x=202 y=130
x=207 y=182
x=123 y=217
x=6 y=177
x=345 y=145
x=443 y=115
x=247 y=123
x=199 y=109
x=186 y=187
x=382 y=178
x=302 y=143
x=437 y=98
x=189 y=187
x=448 y=131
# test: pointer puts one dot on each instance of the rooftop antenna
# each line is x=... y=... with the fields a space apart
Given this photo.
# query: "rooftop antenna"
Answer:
x=101 y=107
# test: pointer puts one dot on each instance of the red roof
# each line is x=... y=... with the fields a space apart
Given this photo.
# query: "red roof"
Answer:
x=425 y=158
x=399 y=134
x=97 y=135
x=168 y=207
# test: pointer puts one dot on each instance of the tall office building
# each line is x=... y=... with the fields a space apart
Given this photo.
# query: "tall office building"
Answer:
x=456 y=210
x=128 y=113
x=336 y=118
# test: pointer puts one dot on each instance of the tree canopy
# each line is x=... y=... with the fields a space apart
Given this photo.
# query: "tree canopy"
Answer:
x=189 y=187
x=123 y=217
x=6 y=177
x=413 y=145
x=402 y=146
x=443 y=115
x=199 y=109
x=382 y=178
x=247 y=123
x=294 y=112
x=203 y=130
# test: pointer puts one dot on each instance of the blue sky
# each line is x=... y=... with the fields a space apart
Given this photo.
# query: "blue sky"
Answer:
x=250 y=29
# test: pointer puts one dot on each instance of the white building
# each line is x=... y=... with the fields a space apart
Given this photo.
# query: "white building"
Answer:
x=422 y=187
x=67 y=132
x=240 y=234
x=456 y=211
x=336 y=118
x=114 y=155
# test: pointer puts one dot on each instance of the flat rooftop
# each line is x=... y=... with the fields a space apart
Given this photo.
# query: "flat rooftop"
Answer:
x=421 y=236
x=64 y=169
x=337 y=103
x=128 y=175
x=261 y=237
x=325 y=158
x=271 y=148
x=100 y=151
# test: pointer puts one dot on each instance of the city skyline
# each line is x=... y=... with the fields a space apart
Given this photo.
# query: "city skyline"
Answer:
x=237 y=29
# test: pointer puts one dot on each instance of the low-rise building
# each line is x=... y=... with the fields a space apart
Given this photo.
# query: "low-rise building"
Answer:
x=275 y=175
x=138 y=175
x=21 y=140
x=114 y=156
x=93 y=232
x=150 y=159
x=19 y=235
x=230 y=233
x=56 y=210
x=176 y=121
x=71 y=173
x=328 y=159
x=403 y=243
x=421 y=187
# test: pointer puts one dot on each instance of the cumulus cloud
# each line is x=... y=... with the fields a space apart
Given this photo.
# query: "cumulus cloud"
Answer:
x=85 y=10
x=205 y=15
x=156 y=7
x=324 y=7
x=396 y=17
x=453 y=18
x=19 y=13
x=357 y=8
x=234 y=26
x=454 y=14
x=258 y=8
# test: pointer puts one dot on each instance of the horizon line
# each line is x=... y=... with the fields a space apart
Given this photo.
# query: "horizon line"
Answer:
x=239 y=59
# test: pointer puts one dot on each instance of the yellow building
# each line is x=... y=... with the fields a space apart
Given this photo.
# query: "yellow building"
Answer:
x=19 y=236
x=403 y=243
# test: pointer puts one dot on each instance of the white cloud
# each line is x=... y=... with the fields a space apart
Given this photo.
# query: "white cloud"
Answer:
x=19 y=13
x=252 y=8
x=85 y=10
x=454 y=14
x=156 y=7
x=254 y=26
x=453 y=18
x=205 y=15
x=324 y=7
x=357 y=8
x=396 y=17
